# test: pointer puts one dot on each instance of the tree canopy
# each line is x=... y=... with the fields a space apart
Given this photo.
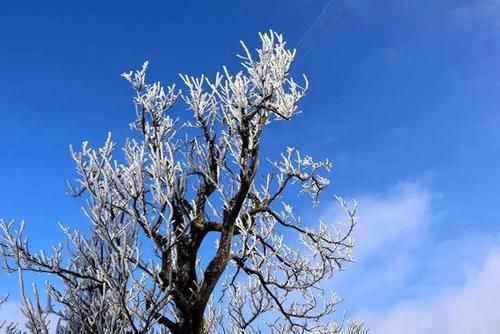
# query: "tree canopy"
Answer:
x=192 y=231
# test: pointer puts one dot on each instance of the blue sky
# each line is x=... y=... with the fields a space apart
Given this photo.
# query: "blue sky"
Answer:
x=404 y=99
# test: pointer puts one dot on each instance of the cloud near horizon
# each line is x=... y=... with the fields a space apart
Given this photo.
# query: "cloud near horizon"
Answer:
x=407 y=280
x=470 y=308
x=391 y=226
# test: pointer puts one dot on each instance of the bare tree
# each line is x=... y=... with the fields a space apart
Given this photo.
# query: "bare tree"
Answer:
x=191 y=232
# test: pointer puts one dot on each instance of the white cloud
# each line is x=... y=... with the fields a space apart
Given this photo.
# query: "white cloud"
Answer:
x=485 y=12
x=478 y=8
x=469 y=308
x=411 y=280
x=11 y=312
x=391 y=218
x=390 y=227
x=395 y=218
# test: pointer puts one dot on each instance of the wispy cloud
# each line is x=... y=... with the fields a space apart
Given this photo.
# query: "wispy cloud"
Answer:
x=395 y=218
x=468 y=308
x=408 y=279
x=478 y=8
x=10 y=311
x=391 y=226
x=487 y=12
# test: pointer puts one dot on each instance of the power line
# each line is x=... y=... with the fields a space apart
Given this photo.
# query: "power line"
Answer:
x=323 y=22
x=313 y=25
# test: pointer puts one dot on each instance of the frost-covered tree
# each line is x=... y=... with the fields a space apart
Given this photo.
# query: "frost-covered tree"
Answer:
x=191 y=231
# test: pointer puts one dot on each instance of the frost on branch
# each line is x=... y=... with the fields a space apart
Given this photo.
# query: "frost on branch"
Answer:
x=152 y=205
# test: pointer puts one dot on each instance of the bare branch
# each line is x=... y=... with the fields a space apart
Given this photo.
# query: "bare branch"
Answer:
x=145 y=266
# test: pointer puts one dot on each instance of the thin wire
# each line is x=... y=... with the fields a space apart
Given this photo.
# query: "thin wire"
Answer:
x=317 y=29
x=327 y=28
x=313 y=25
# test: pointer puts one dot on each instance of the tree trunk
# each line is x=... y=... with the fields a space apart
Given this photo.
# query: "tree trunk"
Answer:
x=193 y=325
